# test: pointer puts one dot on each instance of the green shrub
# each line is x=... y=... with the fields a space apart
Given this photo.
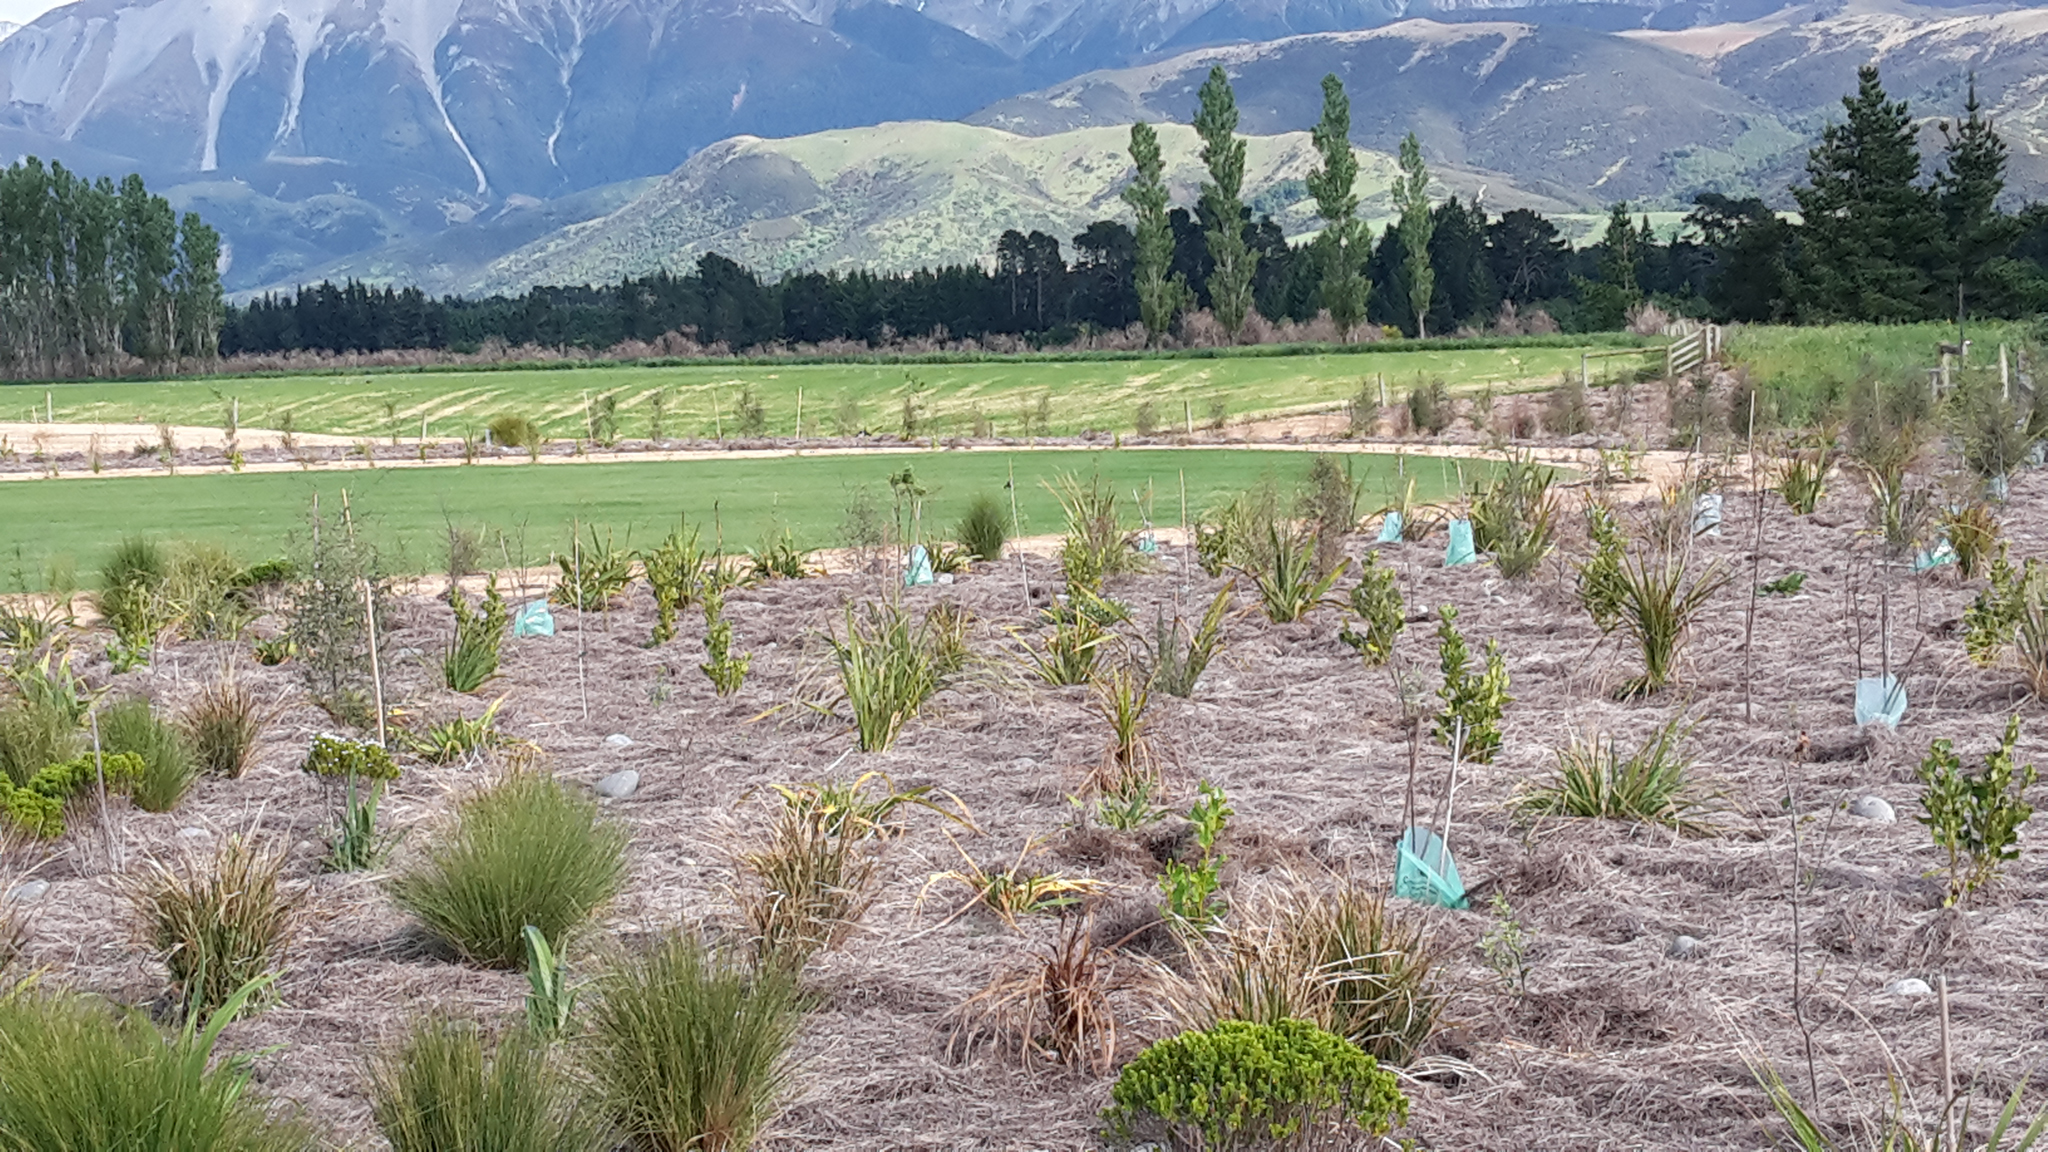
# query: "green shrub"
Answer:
x=690 y=1050
x=888 y=668
x=131 y=599
x=1594 y=780
x=675 y=572
x=78 y=1075
x=328 y=623
x=1238 y=533
x=37 y=807
x=444 y=1088
x=525 y=851
x=1975 y=817
x=1290 y=586
x=1473 y=703
x=1599 y=583
x=353 y=774
x=983 y=530
x=591 y=577
x=218 y=924
x=1191 y=902
x=726 y=670
x=1429 y=407
x=1376 y=601
x=514 y=431
x=1176 y=656
x=222 y=725
x=168 y=766
x=472 y=656
x=1284 y=1086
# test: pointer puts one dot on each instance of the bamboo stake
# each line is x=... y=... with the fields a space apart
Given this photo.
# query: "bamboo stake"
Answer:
x=576 y=563
x=1017 y=531
x=376 y=672
x=1755 y=565
x=799 y=414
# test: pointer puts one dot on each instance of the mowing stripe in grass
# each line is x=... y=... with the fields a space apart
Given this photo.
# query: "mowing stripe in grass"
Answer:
x=408 y=510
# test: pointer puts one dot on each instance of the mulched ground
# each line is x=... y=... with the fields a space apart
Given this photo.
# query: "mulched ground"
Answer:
x=1615 y=1044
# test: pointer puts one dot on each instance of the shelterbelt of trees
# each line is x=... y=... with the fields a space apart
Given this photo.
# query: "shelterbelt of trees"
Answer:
x=1877 y=232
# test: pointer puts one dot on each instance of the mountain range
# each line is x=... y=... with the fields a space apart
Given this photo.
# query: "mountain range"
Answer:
x=486 y=143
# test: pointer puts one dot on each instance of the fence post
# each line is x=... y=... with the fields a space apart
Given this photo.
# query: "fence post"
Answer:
x=1585 y=374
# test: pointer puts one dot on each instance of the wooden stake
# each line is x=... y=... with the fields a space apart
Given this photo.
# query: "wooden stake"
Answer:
x=1755 y=569
x=1017 y=531
x=799 y=413
x=1188 y=406
x=576 y=563
x=1948 y=1072
x=376 y=672
x=717 y=418
x=2004 y=374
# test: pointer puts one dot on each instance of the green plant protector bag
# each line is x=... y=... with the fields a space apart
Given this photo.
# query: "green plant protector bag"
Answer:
x=1390 y=529
x=1460 y=550
x=1424 y=871
x=1942 y=553
x=1881 y=699
x=920 y=569
x=533 y=619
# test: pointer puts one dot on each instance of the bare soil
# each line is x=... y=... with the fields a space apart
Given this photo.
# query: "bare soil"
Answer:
x=1617 y=1044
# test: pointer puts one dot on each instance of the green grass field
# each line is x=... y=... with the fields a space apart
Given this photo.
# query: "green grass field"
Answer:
x=1807 y=369
x=1079 y=395
x=533 y=507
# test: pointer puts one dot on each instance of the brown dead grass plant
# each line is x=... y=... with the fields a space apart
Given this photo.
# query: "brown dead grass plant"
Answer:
x=804 y=886
x=1051 y=1007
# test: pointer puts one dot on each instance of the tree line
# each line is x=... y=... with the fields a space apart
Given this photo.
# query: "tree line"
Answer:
x=95 y=277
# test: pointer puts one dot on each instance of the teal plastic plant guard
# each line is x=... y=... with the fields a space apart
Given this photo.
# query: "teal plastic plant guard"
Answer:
x=920 y=570
x=1460 y=550
x=1881 y=699
x=1148 y=543
x=1942 y=553
x=1424 y=871
x=1390 y=529
x=533 y=619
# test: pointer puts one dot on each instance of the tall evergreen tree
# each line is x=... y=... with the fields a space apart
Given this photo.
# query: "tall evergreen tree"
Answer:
x=1866 y=225
x=1334 y=186
x=1411 y=200
x=1974 y=231
x=1747 y=246
x=1222 y=205
x=1161 y=292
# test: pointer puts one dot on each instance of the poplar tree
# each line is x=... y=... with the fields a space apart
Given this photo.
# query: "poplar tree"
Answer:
x=1222 y=206
x=1161 y=293
x=1411 y=200
x=1345 y=289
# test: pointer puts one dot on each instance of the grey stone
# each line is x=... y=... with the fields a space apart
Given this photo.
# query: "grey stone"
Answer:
x=28 y=890
x=407 y=654
x=1686 y=948
x=194 y=834
x=618 y=740
x=619 y=785
x=1875 y=809
x=1910 y=986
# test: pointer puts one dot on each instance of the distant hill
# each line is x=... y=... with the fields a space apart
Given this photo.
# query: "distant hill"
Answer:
x=922 y=194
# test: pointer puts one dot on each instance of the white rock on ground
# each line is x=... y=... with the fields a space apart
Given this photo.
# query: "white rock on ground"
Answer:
x=1875 y=809
x=1910 y=986
x=1685 y=948
x=28 y=890
x=618 y=740
x=194 y=834
x=619 y=785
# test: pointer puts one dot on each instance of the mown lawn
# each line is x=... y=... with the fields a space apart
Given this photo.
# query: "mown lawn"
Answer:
x=529 y=510
x=1075 y=395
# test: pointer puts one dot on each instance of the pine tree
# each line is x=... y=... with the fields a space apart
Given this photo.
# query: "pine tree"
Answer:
x=1411 y=200
x=1345 y=289
x=1161 y=292
x=1607 y=300
x=1974 y=231
x=1867 y=226
x=1230 y=286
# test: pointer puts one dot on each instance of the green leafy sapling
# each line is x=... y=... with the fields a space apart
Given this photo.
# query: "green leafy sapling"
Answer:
x=1473 y=703
x=1975 y=817
x=1192 y=903
x=1376 y=601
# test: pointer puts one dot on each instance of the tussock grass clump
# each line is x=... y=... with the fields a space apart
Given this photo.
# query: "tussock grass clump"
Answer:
x=1068 y=653
x=33 y=736
x=526 y=850
x=1174 y=659
x=1335 y=957
x=1235 y=534
x=1803 y=475
x=1053 y=1005
x=1656 y=601
x=591 y=576
x=805 y=886
x=1096 y=546
x=689 y=1050
x=131 y=598
x=1291 y=584
x=458 y=738
x=79 y=1075
x=983 y=530
x=445 y=1088
x=1514 y=516
x=219 y=923
x=168 y=765
x=222 y=725
x=1652 y=785
x=888 y=667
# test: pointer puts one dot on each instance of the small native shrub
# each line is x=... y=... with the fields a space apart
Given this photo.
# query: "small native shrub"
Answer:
x=1175 y=657
x=690 y=1050
x=1473 y=702
x=329 y=617
x=168 y=766
x=889 y=667
x=1514 y=516
x=222 y=725
x=220 y=923
x=1595 y=780
x=1329 y=505
x=1600 y=580
x=457 y=738
x=445 y=1088
x=353 y=774
x=591 y=577
x=1429 y=407
x=1376 y=602
x=1290 y=586
x=1336 y=958
x=79 y=1075
x=726 y=669
x=37 y=807
x=779 y=558
x=1096 y=546
x=1192 y=902
x=472 y=656
x=983 y=530
x=1287 y=1086
x=515 y=431
x=805 y=886
x=1975 y=817
x=526 y=850
x=1418 y=520
x=1238 y=533
x=675 y=572
x=1068 y=652
x=1565 y=411
x=1656 y=603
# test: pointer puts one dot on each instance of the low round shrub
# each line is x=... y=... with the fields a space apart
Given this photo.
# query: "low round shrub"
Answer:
x=524 y=851
x=514 y=431
x=1283 y=1086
